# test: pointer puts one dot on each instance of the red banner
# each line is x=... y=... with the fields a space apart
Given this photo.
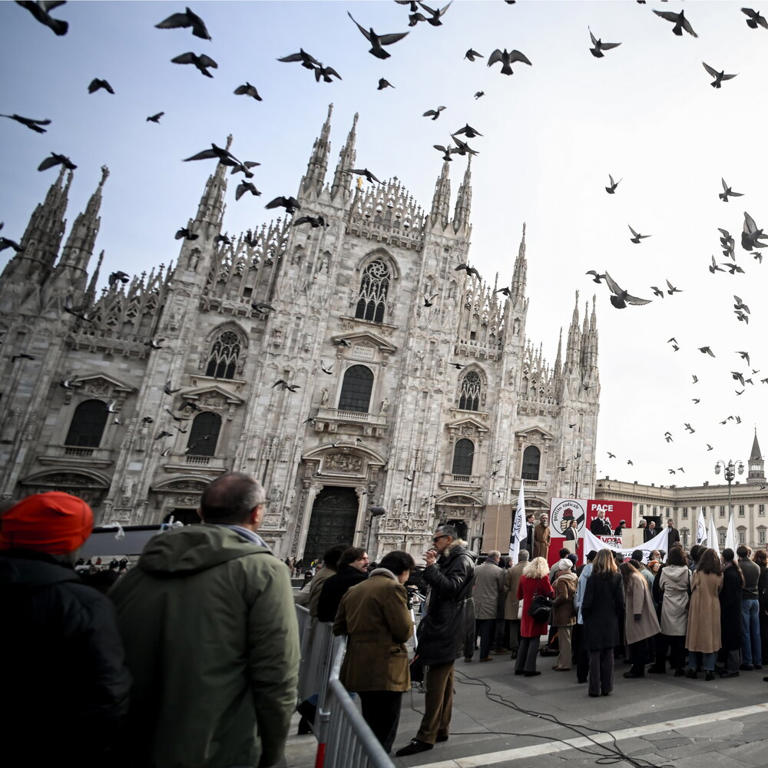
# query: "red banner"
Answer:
x=615 y=511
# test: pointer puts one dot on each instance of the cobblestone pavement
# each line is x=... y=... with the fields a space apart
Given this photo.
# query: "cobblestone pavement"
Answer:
x=656 y=721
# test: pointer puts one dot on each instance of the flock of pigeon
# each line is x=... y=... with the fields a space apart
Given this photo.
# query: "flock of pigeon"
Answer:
x=753 y=237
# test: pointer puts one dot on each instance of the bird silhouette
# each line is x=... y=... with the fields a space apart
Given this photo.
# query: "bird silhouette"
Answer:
x=599 y=46
x=472 y=54
x=428 y=300
x=671 y=289
x=155 y=118
x=706 y=351
x=469 y=270
x=378 y=41
x=246 y=186
x=479 y=94
x=713 y=267
x=184 y=232
x=308 y=61
x=55 y=159
x=202 y=62
x=611 y=188
x=636 y=236
x=289 y=203
x=283 y=384
x=751 y=235
x=719 y=76
x=754 y=18
x=384 y=84
x=313 y=221
x=247 y=90
x=186 y=20
x=40 y=11
x=29 y=122
x=727 y=192
x=118 y=276
x=435 y=14
x=679 y=21
x=597 y=276
x=620 y=297
x=326 y=74
x=98 y=84
x=364 y=172
x=507 y=58
x=433 y=113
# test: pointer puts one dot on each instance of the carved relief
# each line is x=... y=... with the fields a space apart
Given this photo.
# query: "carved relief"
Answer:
x=343 y=462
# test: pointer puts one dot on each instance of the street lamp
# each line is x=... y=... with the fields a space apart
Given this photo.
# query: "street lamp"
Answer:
x=729 y=469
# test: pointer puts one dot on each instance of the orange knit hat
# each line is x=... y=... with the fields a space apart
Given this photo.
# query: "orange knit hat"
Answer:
x=53 y=522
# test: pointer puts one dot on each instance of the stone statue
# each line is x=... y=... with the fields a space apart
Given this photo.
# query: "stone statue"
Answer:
x=324 y=396
x=384 y=407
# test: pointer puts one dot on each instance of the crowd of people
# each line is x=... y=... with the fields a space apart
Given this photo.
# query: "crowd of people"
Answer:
x=190 y=657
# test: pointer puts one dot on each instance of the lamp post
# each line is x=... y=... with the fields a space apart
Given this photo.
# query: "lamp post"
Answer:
x=729 y=468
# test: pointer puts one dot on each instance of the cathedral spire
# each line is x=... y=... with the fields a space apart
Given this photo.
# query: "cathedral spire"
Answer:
x=210 y=210
x=441 y=200
x=314 y=178
x=71 y=272
x=90 y=293
x=572 y=352
x=519 y=274
x=347 y=156
x=463 y=200
x=756 y=473
x=559 y=358
x=42 y=238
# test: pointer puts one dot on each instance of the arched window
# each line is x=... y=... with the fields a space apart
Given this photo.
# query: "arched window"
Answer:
x=462 y=457
x=224 y=355
x=356 y=389
x=204 y=434
x=373 y=292
x=531 y=460
x=469 y=394
x=87 y=425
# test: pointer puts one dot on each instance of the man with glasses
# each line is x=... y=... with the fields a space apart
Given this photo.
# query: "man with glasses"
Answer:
x=449 y=575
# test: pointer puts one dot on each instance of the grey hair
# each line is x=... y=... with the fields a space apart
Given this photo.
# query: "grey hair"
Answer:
x=494 y=554
x=230 y=498
x=447 y=530
x=523 y=555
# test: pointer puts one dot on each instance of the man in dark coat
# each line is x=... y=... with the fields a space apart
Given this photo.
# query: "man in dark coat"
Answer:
x=527 y=543
x=600 y=526
x=64 y=679
x=449 y=575
x=673 y=535
x=352 y=569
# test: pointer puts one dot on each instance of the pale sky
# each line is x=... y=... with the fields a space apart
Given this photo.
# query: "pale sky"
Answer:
x=552 y=133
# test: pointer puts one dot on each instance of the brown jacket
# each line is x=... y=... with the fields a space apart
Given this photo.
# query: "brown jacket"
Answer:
x=511 y=580
x=565 y=589
x=637 y=598
x=541 y=538
x=374 y=615
x=704 y=613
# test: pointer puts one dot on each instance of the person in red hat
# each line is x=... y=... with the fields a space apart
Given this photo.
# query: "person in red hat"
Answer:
x=64 y=680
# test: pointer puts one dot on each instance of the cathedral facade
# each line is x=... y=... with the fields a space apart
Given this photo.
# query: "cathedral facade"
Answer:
x=410 y=392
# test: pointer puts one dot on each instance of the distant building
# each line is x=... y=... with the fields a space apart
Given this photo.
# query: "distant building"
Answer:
x=417 y=388
x=749 y=501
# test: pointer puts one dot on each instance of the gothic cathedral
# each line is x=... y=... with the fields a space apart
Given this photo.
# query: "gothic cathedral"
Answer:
x=410 y=396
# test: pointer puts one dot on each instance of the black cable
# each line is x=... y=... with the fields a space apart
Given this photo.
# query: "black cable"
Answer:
x=615 y=753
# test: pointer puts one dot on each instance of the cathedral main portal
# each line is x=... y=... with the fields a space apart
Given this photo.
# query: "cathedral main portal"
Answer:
x=334 y=513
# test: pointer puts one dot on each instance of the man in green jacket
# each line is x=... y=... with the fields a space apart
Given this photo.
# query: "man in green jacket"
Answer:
x=211 y=639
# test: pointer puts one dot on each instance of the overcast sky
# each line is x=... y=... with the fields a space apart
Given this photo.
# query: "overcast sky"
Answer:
x=552 y=133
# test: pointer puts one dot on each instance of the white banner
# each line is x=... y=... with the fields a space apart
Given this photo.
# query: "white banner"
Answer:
x=701 y=528
x=518 y=525
x=609 y=542
x=731 y=542
x=713 y=540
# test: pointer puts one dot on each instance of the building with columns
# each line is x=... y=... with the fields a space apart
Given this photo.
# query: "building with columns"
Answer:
x=413 y=384
x=748 y=497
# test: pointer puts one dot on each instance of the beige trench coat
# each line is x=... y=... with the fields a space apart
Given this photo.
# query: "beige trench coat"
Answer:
x=511 y=580
x=637 y=598
x=704 y=613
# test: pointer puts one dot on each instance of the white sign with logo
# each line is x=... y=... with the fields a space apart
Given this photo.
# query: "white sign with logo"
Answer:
x=563 y=511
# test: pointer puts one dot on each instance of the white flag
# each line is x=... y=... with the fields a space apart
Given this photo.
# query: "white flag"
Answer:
x=701 y=528
x=731 y=542
x=713 y=541
x=518 y=525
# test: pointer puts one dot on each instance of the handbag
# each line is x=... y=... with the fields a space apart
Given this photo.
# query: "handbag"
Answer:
x=540 y=608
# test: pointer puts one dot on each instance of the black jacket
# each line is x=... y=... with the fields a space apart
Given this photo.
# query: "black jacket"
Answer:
x=334 y=588
x=65 y=683
x=441 y=632
x=600 y=527
x=603 y=611
x=673 y=537
x=730 y=609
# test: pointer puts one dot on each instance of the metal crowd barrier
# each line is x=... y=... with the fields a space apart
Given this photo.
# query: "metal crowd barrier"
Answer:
x=344 y=739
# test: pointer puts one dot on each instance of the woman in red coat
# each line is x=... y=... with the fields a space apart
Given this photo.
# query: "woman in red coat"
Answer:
x=534 y=581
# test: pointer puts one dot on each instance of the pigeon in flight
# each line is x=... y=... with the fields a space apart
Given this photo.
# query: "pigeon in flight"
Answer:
x=636 y=236
x=447 y=151
x=611 y=455
x=155 y=118
x=185 y=20
x=377 y=41
x=744 y=356
x=184 y=232
x=732 y=268
x=507 y=58
x=40 y=10
x=462 y=148
x=469 y=270
x=671 y=289
x=706 y=351
x=479 y=94
x=472 y=54
x=468 y=131
x=364 y=172
x=727 y=192
x=434 y=19
x=247 y=90
x=329 y=371
x=202 y=62
x=754 y=18
x=384 y=84
x=740 y=305
x=657 y=291
x=308 y=61
x=457 y=366
x=695 y=378
x=98 y=84
x=600 y=46
x=709 y=447
x=433 y=113
x=246 y=186
x=597 y=277
x=29 y=122
x=504 y=291
x=313 y=221
x=751 y=235
x=679 y=20
x=54 y=159
x=8 y=243
x=285 y=385
x=289 y=203
x=688 y=428
x=713 y=267
x=118 y=277
x=326 y=73
x=611 y=189
x=695 y=400
x=719 y=76
x=620 y=297
x=262 y=308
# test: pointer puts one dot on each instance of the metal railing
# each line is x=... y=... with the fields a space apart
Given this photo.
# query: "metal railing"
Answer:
x=344 y=739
